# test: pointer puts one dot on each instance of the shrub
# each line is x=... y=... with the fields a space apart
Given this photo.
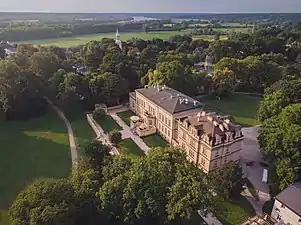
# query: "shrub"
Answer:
x=115 y=136
x=98 y=114
x=268 y=206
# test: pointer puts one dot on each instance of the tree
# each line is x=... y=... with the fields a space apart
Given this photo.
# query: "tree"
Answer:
x=228 y=180
x=21 y=92
x=173 y=74
x=45 y=202
x=278 y=96
x=97 y=153
x=280 y=138
x=223 y=82
x=98 y=114
x=44 y=64
x=156 y=189
x=115 y=136
x=2 y=53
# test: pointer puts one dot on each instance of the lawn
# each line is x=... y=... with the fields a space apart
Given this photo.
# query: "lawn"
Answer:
x=126 y=116
x=108 y=124
x=129 y=147
x=81 y=129
x=236 y=211
x=243 y=108
x=155 y=140
x=83 y=39
x=29 y=150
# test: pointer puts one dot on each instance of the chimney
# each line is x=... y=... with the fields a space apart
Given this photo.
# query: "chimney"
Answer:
x=203 y=113
x=227 y=121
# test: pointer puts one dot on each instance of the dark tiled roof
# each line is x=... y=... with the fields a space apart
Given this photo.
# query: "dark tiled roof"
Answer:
x=169 y=99
x=291 y=197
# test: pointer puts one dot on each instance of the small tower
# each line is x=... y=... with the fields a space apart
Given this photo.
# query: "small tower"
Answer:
x=209 y=64
x=118 y=42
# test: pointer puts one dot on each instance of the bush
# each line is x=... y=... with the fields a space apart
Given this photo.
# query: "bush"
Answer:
x=268 y=206
x=115 y=136
x=252 y=190
x=98 y=114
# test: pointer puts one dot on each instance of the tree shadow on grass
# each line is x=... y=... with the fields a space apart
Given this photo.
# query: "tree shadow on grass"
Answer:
x=25 y=157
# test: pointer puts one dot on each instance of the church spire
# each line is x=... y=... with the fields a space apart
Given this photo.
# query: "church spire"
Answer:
x=118 y=41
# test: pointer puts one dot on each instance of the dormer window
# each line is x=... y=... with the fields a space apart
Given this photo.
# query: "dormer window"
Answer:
x=218 y=139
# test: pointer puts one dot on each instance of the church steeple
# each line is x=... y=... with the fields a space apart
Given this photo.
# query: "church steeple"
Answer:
x=118 y=41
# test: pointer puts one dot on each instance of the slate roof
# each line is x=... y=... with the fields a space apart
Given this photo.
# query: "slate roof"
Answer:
x=169 y=99
x=291 y=197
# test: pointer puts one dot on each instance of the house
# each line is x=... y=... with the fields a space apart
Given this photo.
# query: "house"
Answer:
x=8 y=48
x=287 y=206
x=134 y=50
x=209 y=140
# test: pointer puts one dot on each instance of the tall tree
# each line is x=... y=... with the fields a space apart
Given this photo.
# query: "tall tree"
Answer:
x=159 y=188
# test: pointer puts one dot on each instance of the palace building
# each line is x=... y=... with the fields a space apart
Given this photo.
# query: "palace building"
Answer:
x=209 y=140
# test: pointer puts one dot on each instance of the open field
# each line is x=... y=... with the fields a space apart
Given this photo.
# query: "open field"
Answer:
x=108 y=124
x=155 y=140
x=81 y=40
x=129 y=147
x=236 y=211
x=29 y=150
x=243 y=108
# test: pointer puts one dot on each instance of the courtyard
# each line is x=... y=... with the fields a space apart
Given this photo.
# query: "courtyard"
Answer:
x=30 y=150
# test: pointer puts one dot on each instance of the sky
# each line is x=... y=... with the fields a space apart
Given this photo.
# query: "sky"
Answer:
x=121 y=6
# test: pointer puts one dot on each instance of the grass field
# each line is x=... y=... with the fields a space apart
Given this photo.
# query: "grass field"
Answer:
x=29 y=150
x=81 y=40
x=237 y=211
x=155 y=140
x=81 y=129
x=108 y=124
x=129 y=147
x=126 y=116
x=243 y=108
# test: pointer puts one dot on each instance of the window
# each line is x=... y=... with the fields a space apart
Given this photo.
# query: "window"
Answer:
x=203 y=162
x=183 y=145
x=165 y=130
x=225 y=160
x=191 y=154
x=192 y=143
x=184 y=136
x=299 y=220
x=168 y=133
x=168 y=122
x=165 y=120
x=159 y=116
x=282 y=206
x=159 y=125
x=215 y=164
x=216 y=154
x=227 y=150
x=278 y=217
x=204 y=151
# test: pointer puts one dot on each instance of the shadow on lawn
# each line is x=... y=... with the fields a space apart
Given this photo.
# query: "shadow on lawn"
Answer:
x=24 y=158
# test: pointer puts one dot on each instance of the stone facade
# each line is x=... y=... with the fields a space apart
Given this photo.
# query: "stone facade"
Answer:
x=209 y=140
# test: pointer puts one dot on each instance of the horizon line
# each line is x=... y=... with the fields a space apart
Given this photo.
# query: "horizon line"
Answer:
x=57 y=12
